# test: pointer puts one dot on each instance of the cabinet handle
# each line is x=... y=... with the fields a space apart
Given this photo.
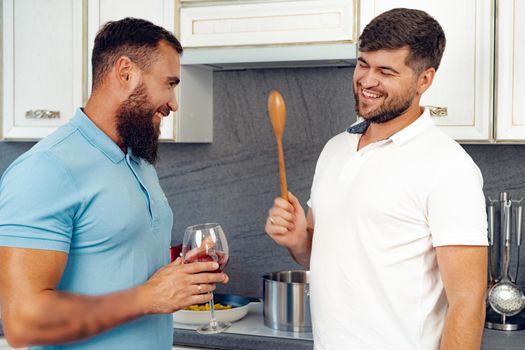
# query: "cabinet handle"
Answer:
x=42 y=114
x=438 y=111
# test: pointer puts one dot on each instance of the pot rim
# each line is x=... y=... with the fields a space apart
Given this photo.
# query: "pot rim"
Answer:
x=266 y=277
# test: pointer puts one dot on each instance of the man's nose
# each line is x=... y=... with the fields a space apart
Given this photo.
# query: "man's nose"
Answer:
x=173 y=104
x=369 y=79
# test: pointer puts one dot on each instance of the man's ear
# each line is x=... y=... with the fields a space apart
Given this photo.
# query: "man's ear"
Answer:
x=425 y=80
x=126 y=73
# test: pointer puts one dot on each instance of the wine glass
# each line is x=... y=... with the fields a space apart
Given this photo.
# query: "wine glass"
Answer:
x=207 y=242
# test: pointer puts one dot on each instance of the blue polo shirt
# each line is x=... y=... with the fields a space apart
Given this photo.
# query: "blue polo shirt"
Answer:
x=76 y=191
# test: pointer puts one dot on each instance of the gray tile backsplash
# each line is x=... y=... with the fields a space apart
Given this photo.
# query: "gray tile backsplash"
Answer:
x=234 y=180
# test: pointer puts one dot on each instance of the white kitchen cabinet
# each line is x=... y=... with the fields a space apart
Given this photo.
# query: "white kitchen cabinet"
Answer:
x=510 y=74
x=245 y=34
x=42 y=66
x=193 y=121
x=266 y=23
x=464 y=80
x=46 y=70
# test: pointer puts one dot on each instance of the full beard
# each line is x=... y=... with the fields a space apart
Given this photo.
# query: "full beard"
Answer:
x=389 y=110
x=135 y=125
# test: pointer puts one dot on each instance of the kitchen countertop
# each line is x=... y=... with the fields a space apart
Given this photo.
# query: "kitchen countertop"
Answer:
x=503 y=340
x=250 y=333
x=247 y=333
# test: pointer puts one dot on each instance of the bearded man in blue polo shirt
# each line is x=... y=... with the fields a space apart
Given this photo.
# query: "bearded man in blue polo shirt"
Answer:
x=84 y=224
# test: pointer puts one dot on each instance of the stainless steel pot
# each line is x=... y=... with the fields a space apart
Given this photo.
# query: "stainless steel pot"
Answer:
x=286 y=297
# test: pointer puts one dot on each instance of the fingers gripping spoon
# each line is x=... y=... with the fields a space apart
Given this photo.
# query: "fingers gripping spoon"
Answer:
x=277 y=114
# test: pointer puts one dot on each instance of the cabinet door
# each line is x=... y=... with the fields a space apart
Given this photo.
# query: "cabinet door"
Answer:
x=463 y=83
x=267 y=22
x=510 y=78
x=160 y=12
x=42 y=66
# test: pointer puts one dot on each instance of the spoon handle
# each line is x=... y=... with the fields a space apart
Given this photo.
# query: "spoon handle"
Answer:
x=506 y=249
x=491 y=223
x=282 y=170
x=519 y=214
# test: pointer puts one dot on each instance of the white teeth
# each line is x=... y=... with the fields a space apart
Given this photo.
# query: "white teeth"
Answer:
x=370 y=95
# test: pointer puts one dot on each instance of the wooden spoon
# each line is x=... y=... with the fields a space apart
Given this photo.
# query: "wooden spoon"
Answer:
x=277 y=114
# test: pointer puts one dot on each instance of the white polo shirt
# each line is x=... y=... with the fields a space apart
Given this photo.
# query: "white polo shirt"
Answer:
x=378 y=213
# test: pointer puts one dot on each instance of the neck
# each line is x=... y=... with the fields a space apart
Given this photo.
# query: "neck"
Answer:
x=381 y=131
x=103 y=113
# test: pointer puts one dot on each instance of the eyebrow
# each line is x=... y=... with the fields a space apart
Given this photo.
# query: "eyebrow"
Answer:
x=360 y=59
x=175 y=80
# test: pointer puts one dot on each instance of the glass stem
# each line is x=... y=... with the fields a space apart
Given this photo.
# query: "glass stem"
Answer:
x=213 y=321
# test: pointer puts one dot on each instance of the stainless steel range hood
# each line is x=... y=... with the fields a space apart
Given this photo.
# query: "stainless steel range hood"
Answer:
x=279 y=56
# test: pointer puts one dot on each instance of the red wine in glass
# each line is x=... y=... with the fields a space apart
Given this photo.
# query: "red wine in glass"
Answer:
x=202 y=243
x=212 y=255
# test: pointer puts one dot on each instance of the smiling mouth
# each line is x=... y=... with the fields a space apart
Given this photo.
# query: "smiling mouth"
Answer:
x=370 y=95
x=161 y=113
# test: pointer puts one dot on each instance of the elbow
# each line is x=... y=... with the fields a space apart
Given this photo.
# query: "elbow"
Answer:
x=472 y=299
x=19 y=326
x=15 y=335
x=470 y=308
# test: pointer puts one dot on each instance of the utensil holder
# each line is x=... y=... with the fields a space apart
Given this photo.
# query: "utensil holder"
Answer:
x=499 y=322
x=503 y=234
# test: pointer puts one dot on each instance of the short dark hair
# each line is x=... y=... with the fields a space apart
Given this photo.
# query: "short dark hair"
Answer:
x=135 y=38
x=402 y=27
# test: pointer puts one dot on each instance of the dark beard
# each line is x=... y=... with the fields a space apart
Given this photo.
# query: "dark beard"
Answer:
x=388 y=112
x=135 y=125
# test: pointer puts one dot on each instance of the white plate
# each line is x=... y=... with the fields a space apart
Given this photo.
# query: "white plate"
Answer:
x=241 y=306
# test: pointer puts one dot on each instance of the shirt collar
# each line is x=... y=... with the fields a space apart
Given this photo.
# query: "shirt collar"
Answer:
x=133 y=157
x=359 y=127
x=97 y=137
x=402 y=136
x=412 y=130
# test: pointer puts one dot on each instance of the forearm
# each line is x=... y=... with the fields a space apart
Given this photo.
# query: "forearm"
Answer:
x=463 y=326
x=54 y=317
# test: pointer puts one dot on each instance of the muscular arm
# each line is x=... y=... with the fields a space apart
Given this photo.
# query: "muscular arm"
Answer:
x=464 y=273
x=35 y=313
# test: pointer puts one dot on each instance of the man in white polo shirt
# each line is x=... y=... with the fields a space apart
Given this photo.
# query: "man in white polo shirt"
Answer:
x=395 y=234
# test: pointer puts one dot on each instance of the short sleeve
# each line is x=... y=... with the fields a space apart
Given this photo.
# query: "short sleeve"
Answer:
x=319 y=165
x=38 y=202
x=456 y=207
x=312 y=187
